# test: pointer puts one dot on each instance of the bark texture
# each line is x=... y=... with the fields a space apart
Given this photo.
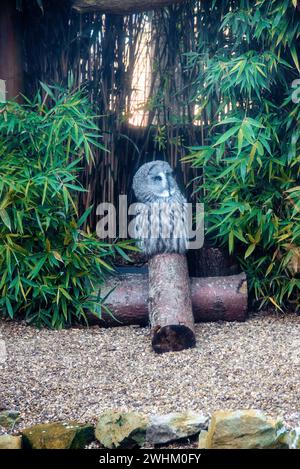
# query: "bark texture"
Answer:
x=170 y=307
x=213 y=299
x=117 y=7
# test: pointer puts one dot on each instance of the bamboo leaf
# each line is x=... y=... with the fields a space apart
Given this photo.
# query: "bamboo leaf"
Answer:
x=84 y=217
x=275 y=304
x=65 y=293
x=57 y=256
x=295 y=57
x=231 y=242
x=5 y=218
x=9 y=307
x=37 y=268
x=47 y=90
x=240 y=140
x=229 y=133
x=249 y=251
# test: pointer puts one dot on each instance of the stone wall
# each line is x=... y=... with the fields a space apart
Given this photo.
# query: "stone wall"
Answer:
x=240 y=429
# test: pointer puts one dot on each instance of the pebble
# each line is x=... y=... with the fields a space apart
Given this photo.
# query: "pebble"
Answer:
x=76 y=374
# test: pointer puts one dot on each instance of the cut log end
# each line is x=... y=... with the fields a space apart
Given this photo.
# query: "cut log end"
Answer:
x=172 y=338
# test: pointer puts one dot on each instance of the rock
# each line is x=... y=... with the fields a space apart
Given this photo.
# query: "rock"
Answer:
x=202 y=439
x=10 y=442
x=8 y=418
x=58 y=436
x=174 y=426
x=243 y=429
x=121 y=429
x=294 y=438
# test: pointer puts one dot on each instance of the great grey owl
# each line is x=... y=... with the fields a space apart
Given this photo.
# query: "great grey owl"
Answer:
x=161 y=221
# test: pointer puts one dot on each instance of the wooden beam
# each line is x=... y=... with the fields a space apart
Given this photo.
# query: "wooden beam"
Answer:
x=213 y=299
x=11 y=64
x=121 y=8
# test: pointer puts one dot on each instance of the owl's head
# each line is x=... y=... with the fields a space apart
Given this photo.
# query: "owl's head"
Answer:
x=154 y=179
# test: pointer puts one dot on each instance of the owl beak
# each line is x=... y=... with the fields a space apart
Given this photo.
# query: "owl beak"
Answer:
x=171 y=189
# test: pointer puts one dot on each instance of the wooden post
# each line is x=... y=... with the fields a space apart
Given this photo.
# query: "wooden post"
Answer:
x=170 y=307
x=11 y=65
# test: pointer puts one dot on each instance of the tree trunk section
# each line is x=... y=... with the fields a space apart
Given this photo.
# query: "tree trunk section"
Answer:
x=212 y=262
x=170 y=307
x=11 y=65
x=213 y=299
x=121 y=8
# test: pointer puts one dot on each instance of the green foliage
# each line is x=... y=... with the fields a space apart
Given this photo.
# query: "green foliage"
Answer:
x=251 y=159
x=49 y=266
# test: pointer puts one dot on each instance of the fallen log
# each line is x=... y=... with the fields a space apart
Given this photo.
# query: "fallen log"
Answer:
x=213 y=299
x=170 y=307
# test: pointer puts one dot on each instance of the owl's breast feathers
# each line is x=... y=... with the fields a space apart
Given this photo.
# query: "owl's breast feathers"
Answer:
x=162 y=226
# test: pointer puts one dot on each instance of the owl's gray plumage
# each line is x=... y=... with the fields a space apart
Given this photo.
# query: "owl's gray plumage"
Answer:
x=161 y=223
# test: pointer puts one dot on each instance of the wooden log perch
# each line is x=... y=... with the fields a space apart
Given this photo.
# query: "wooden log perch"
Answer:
x=213 y=299
x=125 y=7
x=170 y=307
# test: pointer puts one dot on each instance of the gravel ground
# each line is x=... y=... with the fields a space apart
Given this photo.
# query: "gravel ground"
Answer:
x=79 y=373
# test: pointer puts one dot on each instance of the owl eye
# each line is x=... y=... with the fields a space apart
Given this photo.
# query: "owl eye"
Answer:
x=157 y=178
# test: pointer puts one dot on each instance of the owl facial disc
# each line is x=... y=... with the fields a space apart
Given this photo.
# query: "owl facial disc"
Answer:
x=154 y=181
